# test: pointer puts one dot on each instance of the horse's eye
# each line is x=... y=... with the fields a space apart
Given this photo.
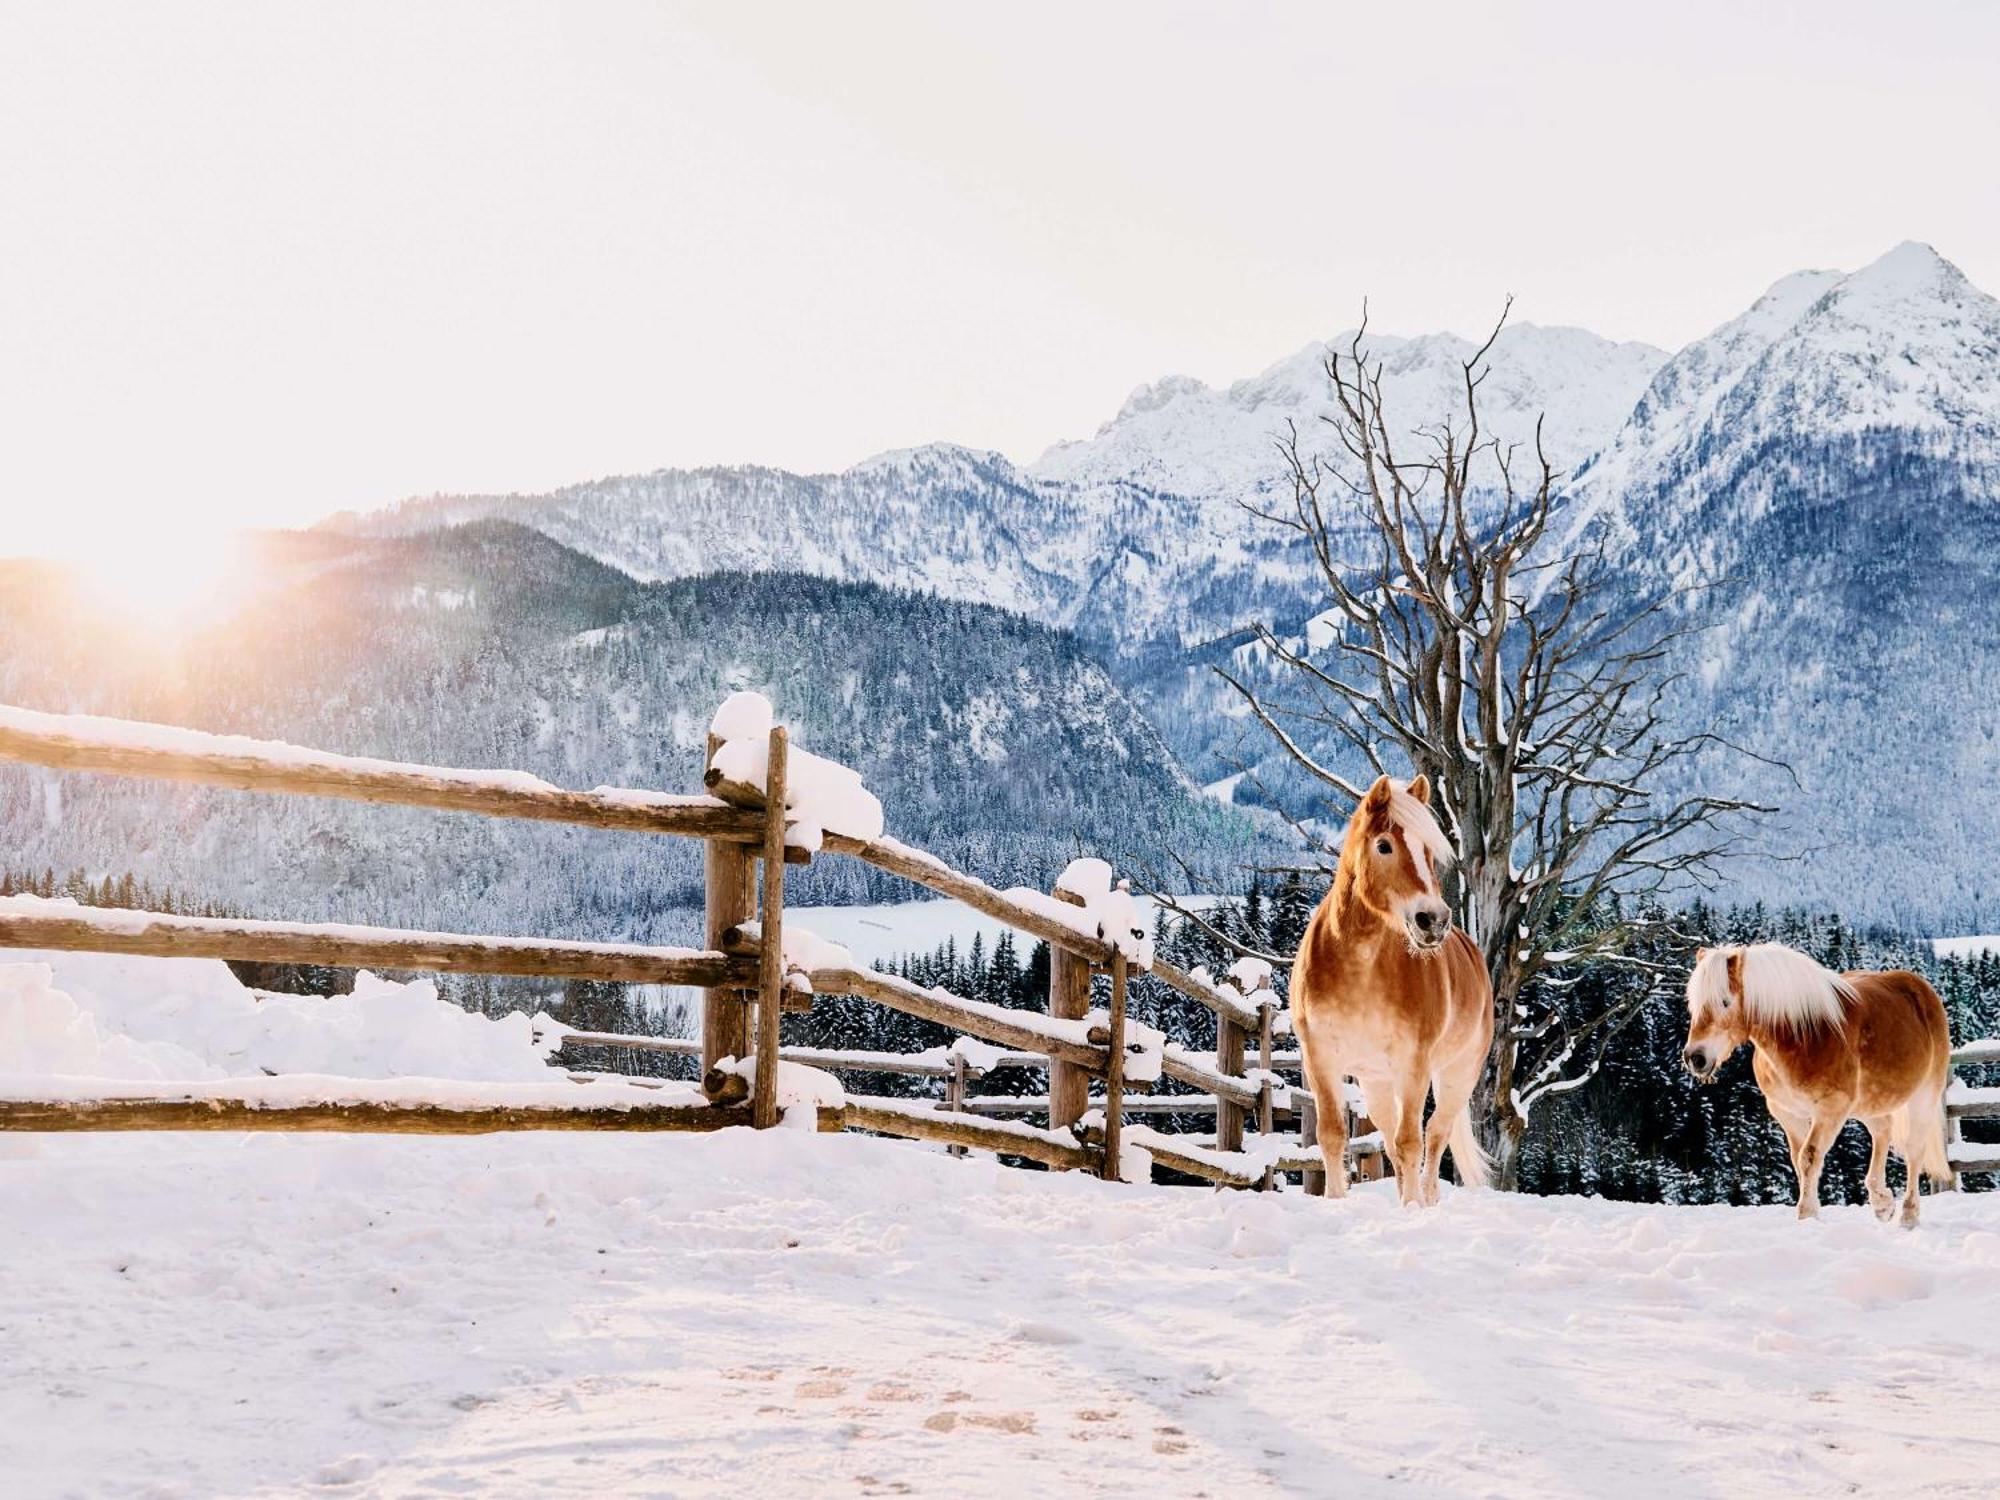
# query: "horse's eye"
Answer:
x=1383 y=846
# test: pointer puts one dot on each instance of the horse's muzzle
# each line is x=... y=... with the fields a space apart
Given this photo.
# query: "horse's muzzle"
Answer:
x=1429 y=924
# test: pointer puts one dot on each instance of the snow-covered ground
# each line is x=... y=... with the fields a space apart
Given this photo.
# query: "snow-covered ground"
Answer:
x=1966 y=947
x=798 y=1315
x=792 y=1315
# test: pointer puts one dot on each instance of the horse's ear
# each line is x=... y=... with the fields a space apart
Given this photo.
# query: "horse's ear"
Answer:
x=1420 y=788
x=1378 y=795
x=1701 y=956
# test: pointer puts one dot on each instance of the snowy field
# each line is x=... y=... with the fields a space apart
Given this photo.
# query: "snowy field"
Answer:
x=792 y=1315
x=797 y=1315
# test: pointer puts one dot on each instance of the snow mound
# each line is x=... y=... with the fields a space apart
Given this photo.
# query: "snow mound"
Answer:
x=821 y=795
x=102 y=1016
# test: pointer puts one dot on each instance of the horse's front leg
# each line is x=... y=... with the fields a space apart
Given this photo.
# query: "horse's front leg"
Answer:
x=1329 y=1090
x=1812 y=1161
x=1404 y=1133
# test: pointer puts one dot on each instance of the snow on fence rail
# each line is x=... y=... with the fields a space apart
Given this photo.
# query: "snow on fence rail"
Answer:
x=766 y=805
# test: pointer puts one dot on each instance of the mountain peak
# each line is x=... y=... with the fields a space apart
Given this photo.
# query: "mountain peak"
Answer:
x=1183 y=437
x=1912 y=265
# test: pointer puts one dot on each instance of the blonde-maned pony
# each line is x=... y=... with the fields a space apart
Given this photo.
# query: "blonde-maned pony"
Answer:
x=1829 y=1048
x=1387 y=992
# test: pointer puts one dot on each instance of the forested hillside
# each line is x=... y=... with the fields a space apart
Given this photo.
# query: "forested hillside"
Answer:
x=996 y=741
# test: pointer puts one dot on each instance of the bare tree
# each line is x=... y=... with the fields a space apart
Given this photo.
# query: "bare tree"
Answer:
x=1468 y=638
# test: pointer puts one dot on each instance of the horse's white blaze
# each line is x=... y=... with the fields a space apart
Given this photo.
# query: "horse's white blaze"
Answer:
x=1429 y=849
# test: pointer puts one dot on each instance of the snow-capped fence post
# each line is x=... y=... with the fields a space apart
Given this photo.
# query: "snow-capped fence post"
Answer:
x=1114 y=1072
x=771 y=957
x=729 y=898
x=1314 y=1178
x=1069 y=1000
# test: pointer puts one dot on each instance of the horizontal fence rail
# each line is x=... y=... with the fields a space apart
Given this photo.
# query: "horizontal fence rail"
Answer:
x=157 y=935
x=73 y=742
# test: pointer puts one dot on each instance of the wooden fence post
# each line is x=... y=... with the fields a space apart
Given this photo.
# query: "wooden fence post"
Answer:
x=771 y=989
x=1314 y=1178
x=730 y=879
x=1069 y=1000
x=1229 y=1040
x=1114 y=1071
x=954 y=1092
x=1270 y=1179
x=1371 y=1166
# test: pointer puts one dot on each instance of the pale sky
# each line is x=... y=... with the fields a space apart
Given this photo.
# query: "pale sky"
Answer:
x=260 y=262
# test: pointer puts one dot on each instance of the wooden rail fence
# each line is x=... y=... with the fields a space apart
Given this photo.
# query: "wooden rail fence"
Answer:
x=1963 y=1101
x=1090 y=1057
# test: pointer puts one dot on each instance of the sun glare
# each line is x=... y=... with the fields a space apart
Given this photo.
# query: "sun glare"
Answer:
x=176 y=578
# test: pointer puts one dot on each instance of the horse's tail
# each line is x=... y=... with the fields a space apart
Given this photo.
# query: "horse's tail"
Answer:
x=1931 y=1145
x=1474 y=1168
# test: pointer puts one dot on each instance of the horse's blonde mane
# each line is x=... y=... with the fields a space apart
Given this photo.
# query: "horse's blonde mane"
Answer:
x=1781 y=986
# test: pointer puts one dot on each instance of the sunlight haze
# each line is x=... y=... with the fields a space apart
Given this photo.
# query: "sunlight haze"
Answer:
x=265 y=262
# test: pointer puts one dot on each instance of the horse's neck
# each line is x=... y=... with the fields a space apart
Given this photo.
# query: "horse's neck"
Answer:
x=1349 y=918
x=1794 y=1051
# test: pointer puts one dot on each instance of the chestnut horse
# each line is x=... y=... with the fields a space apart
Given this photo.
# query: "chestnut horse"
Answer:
x=1386 y=991
x=1829 y=1048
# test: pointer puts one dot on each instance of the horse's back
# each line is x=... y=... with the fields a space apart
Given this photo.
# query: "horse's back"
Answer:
x=1899 y=1031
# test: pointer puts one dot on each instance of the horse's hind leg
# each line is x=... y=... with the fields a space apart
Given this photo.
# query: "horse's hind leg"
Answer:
x=1881 y=1132
x=1919 y=1139
x=1451 y=1091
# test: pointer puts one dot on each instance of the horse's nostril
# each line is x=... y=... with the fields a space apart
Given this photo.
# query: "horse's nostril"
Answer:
x=1426 y=921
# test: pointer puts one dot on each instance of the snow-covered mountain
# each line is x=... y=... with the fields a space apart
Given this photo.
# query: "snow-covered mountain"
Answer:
x=1135 y=537
x=1820 y=479
x=1189 y=438
x=1820 y=471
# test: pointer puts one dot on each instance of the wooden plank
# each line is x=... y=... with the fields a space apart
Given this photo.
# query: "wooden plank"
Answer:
x=389 y=1119
x=933 y=874
x=1194 y=1070
x=954 y=1095
x=1069 y=1000
x=66 y=742
x=156 y=935
x=1972 y=1053
x=1135 y=1104
x=771 y=961
x=917 y=1119
x=1114 y=1072
x=1312 y=1178
x=729 y=878
x=1972 y=1104
x=1222 y=1002
x=1225 y=1169
x=990 y=1023
x=1229 y=1047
